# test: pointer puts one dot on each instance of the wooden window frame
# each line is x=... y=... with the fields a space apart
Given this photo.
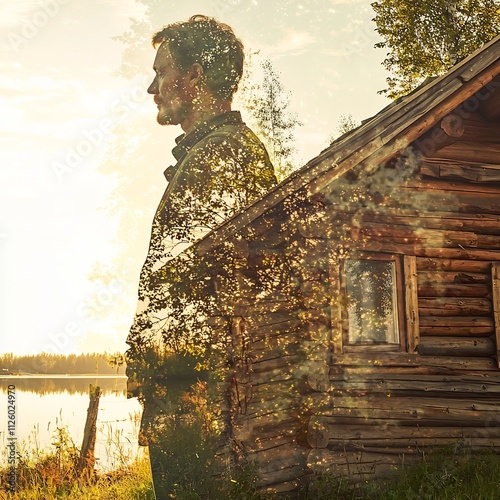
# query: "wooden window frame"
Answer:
x=412 y=322
x=400 y=306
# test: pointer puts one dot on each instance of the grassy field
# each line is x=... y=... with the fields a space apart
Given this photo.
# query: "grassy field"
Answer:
x=54 y=476
x=450 y=474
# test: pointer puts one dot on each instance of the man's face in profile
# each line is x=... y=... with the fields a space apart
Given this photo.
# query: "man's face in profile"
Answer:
x=170 y=89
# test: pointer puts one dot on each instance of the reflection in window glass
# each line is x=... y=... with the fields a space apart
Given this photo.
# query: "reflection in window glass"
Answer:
x=372 y=308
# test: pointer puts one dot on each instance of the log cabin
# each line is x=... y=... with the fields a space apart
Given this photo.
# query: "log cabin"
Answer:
x=365 y=325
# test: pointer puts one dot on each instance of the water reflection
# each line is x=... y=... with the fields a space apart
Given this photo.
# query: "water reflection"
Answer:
x=65 y=383
x=44 y=404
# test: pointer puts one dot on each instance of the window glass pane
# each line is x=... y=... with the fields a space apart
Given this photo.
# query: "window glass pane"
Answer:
x=372 y=308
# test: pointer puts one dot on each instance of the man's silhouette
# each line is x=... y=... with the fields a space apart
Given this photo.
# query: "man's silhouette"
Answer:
x=221 y=167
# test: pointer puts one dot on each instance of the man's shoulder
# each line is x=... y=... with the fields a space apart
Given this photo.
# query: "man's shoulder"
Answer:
x=230 y=140
x=233 y=150
x=231 y=133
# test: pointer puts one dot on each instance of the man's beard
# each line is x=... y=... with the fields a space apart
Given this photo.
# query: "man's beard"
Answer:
x=172 y=116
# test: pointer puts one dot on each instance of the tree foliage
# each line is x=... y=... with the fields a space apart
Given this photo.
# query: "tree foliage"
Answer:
x=346 y=124
x=427 y=37
x=268 y=103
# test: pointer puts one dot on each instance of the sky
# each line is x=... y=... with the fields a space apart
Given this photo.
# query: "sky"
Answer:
x=81 y=154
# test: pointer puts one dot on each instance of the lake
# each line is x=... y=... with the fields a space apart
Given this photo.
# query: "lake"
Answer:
x=46 y=403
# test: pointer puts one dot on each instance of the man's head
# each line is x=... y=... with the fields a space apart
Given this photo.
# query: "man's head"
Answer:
x=194 y=58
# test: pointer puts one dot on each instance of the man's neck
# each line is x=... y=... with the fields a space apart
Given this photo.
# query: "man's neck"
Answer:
x=202 y=114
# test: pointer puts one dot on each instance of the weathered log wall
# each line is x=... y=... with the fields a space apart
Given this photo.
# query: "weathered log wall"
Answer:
x=300 y=400
x=381 y=409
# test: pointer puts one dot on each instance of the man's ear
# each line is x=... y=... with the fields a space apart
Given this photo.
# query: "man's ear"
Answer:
x=195 y=75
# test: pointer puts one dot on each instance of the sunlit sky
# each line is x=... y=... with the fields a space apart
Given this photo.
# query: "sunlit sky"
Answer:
x=62 y=99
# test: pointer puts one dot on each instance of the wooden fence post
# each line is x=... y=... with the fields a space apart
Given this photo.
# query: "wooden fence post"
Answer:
x=87 y=458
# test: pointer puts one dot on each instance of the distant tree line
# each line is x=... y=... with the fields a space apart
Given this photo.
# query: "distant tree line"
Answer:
x=70 y=384
x=60 y=364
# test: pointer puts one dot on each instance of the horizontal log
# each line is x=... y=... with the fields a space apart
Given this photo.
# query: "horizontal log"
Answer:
x=416 y=218
x=263 y=305
x=263 y=360
x=402 y=447
x=381 y=472
x=264 y=437
x=448 y=188
x=453 y=277
x=477 y=128
x=280 y=457
x=350 y=463
x=281 y=480
x=444 y=310
x=327 y=403
x=456 y=331
x=463 y=363
x=435 y=199
x=262 y=331
x=470 y=151
x=454 y=290
x=397 y=388
x=271 y=424
x=259 y=443
x=461 y=172
x=284 y=341
x=447 y=221
x=458 y=321
x=464 y=346
x=454 y=306
x=375 y=245
x=435 y=264
x=276 y=375
x=397 y=417
x=424 y=228
x=389 y=360
x=460 y=326
x=429 y=237
x=411 y=375
x=324 y=431
x=274 y=392
x=270 y=317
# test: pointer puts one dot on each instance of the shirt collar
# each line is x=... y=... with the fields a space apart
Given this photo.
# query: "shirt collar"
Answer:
x=186 y=141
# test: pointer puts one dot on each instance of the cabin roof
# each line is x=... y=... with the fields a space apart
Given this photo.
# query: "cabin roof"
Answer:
x=377 y=138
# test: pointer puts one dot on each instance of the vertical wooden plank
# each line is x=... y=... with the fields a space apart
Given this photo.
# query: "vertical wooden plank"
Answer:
x=495 y=277
x=411 y=303
x=400 y=297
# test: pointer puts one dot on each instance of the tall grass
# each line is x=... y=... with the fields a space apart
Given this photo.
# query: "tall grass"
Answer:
x=46 y=473
x=450 y=473
x=192 y=472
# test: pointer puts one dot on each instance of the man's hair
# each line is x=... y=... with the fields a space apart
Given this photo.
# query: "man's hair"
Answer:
x=211 y=44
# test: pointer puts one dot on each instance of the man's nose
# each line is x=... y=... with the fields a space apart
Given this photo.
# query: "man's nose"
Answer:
x=153 y=88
